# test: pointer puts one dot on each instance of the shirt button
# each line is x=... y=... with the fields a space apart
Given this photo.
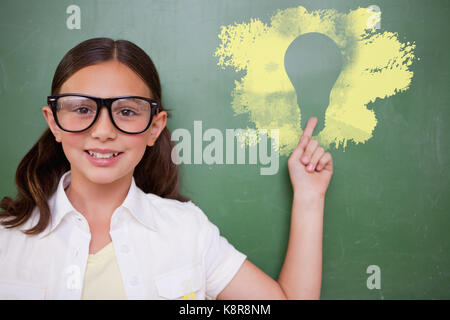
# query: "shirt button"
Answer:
x=134 y=281
x=125 y=248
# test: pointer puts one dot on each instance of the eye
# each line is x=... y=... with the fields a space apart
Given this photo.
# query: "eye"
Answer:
x=82 y=110
x=127 y=112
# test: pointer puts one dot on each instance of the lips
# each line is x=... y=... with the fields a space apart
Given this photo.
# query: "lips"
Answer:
x=103 y=159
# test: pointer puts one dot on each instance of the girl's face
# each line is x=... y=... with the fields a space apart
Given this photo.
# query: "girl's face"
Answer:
x=105 y=80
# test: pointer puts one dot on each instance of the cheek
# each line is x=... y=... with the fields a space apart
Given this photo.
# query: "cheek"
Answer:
x=72 y=145
x=136 y=147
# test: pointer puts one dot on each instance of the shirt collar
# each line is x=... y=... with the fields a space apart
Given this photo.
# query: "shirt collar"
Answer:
x=140 y=206
x=136 y=201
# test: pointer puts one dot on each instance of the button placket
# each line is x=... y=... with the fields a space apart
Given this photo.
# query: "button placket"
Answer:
x=75 y=252
x=128 y=265
x=73 y=274
x=134 y=281
x=125 y=248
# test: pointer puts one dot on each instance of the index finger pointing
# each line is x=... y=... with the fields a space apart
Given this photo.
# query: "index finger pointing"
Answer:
x=310 y=125
x=307 y=133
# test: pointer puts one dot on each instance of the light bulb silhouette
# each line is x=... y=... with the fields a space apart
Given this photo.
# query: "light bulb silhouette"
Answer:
x=313 y=62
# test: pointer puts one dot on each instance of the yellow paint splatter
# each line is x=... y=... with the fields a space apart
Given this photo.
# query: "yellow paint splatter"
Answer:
x=190 y=296
x=375 y=65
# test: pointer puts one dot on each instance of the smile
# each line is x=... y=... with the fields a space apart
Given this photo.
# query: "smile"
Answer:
x=103 y=159
x=103 y=155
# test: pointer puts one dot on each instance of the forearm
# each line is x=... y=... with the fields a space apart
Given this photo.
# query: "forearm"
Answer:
x=301 y=275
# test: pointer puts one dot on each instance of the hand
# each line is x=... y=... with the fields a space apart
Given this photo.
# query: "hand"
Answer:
x=305 y=180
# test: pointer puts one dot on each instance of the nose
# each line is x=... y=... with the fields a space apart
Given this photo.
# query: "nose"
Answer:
x=103 y=128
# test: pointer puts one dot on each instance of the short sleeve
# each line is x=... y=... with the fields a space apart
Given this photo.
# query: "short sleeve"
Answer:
x=222 y=260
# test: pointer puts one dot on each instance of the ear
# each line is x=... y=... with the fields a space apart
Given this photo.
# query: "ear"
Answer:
x=48 y=115
x=158 y=124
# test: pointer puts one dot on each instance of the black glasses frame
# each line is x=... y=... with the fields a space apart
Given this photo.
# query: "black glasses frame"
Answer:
x=103 y=102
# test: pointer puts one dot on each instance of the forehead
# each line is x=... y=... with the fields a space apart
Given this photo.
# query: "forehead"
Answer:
x=105 y=80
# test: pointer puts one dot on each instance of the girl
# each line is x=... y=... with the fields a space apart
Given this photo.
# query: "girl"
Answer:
x=98 y=213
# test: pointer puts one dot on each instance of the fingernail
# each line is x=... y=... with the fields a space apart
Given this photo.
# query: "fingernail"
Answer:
x=305 y=159
x=318 y=167
x=311 y=166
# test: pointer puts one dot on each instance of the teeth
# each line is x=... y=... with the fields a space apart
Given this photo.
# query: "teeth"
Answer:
x=102 y=155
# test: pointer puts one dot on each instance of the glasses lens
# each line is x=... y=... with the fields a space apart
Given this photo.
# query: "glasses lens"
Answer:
x=131 y=114
x=75 y=113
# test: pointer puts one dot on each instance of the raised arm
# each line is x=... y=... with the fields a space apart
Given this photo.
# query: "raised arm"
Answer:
x=301 y=275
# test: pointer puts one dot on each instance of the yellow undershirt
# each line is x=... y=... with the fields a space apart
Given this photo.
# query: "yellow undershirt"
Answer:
x=102 y=279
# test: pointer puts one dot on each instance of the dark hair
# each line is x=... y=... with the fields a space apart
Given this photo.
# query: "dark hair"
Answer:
x=39 y=172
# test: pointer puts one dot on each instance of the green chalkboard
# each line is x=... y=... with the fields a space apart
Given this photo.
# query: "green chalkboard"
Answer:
x=388 y=202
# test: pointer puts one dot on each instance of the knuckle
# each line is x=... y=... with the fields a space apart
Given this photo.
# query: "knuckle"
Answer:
x=312 y=145
x=325 y=157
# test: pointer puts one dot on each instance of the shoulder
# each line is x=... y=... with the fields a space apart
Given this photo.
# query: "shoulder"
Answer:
x=14 y=239
x=176 y=213
x=8 y=233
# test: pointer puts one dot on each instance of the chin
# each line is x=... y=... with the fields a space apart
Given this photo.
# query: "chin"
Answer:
x=103 y=176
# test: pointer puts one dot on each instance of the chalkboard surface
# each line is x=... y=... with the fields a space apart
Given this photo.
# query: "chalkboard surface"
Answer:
x=384 y=119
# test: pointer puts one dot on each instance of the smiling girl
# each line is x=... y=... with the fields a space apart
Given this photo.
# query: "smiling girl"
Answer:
x=98 y=213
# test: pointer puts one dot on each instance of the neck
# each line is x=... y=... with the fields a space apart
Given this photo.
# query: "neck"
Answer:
x=97 y=202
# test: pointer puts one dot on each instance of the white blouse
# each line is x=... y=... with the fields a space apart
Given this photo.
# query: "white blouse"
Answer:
x=165 y=249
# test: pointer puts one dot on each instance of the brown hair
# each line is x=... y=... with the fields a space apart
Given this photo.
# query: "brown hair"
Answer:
x=39 y=172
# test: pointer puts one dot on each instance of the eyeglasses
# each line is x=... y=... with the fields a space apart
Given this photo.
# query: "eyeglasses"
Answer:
x=78 y=112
